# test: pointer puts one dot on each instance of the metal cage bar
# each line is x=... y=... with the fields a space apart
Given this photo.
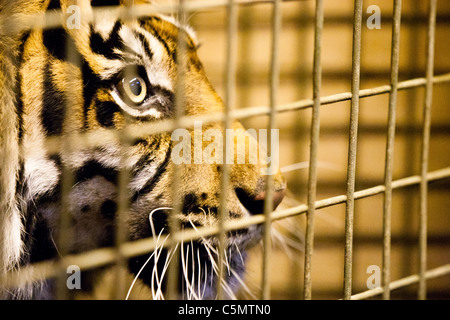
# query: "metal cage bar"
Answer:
x=425 y=149
x=353 y=139
x=314 y=145
x=268 y=204
x=124 y=249
x=404 y=282
x=176 y=237
x=64 y=235
x=230 y=87
x=108 y=135
x=389 y=162
x=123 y=204
x=103 y=256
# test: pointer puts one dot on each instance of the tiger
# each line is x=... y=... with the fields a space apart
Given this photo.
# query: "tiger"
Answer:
x=117 y=72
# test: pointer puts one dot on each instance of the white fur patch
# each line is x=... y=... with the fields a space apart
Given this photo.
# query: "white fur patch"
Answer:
x=10 y=217
x=156 y=72
x=187 y=28
x=104 y=23
x=152 y=112
x=41 y=175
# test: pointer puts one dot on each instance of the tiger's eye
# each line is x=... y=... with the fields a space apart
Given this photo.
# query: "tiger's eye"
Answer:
x=135 y=89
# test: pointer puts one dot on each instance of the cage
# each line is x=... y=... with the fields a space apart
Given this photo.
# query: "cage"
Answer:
x=358 y=92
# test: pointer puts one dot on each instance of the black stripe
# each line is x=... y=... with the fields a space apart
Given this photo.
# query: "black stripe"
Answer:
x=18 y=87
x=103 y=3
x=105 y=111
x=144 y=22
x=151 y=183
x=145 y=44
x=53 y=105
x=106 y=47
x=54 y=4
x=37 y=238
x=20 y=186
x=54 y=40
x=91 y=83
x=59 y=44
x=56 y=158
x=93 y=168
x=149 y=156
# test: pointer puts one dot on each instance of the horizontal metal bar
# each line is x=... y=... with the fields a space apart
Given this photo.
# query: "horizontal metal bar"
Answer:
x=54 y=18
x=100 y=257
x=404 y=282
x=103 y=136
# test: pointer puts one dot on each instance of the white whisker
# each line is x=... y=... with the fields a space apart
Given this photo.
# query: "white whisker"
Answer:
x=200 y=292
x=184 y=258
x=156 y=253
x=150 y=218
x=225 y=261
x=140 y=270
x=169 y=256
x=241 y=281
x=239 y=252
x=193 y=266
x=155 y=274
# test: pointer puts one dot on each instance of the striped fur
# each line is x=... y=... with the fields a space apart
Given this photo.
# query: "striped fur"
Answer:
x=39 y=80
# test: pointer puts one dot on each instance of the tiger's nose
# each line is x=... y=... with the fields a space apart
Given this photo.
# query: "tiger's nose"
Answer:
x=255 y=203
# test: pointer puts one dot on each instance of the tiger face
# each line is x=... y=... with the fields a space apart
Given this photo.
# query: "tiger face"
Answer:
x=106 y=75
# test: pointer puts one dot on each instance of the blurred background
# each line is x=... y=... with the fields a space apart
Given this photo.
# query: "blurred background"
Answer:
x=296 y=60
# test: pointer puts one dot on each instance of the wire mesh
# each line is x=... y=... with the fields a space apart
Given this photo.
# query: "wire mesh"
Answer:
x=425 y=149
x=125 y=249
x=351 y=170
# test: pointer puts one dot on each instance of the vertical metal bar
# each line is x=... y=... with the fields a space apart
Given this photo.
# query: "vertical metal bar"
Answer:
x=123 y=201
x=174 y=223
x=268 y=204
x=230 y=89
x=410 y=149
x=352 y=146
x=389 y=162
x=65 y=235
x=315 y=129
x=301 y=140
x=422 y=291
x=246 y=37
x=121 y=214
